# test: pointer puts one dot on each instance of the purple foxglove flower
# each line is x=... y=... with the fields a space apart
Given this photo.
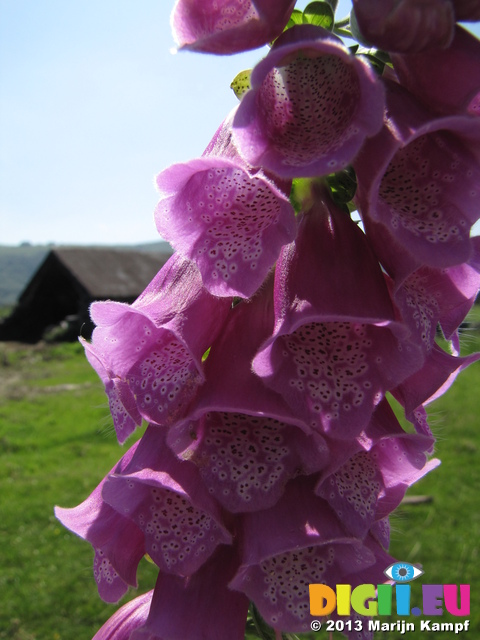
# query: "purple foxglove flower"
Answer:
x=123 y=623
x=446 y=81
x=244 y=438
x=405 y=25
x=432 y=380
x=230 y=384
x=117 y=541
x=336 y=348
x=310 y=106
x=167 y=501
x=431 y=297
x=149 y=353
x=420 y=179
x=230 y=221
x=371 y=575
x=199 y=607
x=123 y=405
x=309 y=546
x=245 y=461
x=228 y=26
x=373 y=482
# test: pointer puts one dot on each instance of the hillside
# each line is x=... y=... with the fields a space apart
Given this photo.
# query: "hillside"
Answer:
x=18 y=264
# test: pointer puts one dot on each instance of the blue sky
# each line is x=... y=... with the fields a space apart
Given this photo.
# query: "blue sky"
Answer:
x=93 y=105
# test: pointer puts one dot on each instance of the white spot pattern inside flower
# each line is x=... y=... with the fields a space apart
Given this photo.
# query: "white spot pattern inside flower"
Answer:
x=103 y=570
x=122 y=421
x=308 y=105
x=330 y=365
x=286 y=578
x=358 y=484
x=228 y=14
x=423 y=307
x=244 y=460
x=426 y=188
x=164 y=380
x=178 y=535
x=234 y=211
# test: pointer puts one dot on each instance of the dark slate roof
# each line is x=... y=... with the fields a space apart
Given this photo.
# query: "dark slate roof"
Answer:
x=111 y=273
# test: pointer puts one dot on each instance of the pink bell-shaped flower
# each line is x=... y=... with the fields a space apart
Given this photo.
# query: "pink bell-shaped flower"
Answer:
x=419 y=179
x=118 y=542
x=123 y=623
x=167 y=501
x=447 y=81
x=228 y=218
x=405 y=25
x=149 y=353
x=310 y=107
x=336 y=347
x=228 y=26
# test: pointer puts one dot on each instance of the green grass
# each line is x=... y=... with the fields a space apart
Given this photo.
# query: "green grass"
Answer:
x=57 y=442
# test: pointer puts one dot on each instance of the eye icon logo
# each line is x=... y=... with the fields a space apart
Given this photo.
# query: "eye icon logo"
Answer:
x=402 y=572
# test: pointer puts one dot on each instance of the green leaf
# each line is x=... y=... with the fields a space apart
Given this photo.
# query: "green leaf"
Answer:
x=295 y=18
x=241 y=83
x=321 y=14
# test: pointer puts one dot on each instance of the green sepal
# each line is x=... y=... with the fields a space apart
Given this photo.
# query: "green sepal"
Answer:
x=241 y=83
x=301 y=194
x=376 y=57
x=320 y=14
x=343 y=185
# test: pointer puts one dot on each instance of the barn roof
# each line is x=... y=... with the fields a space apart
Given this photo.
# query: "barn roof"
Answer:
x=111 y=273
x=68 y=280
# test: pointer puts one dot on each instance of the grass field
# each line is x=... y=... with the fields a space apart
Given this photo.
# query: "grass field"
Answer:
x=57 y=442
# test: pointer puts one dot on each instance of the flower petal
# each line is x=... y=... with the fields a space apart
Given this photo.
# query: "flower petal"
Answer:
x=310 y=107
x=167 y=501
x=405 y=25
x=245 y=461
x=199 y=607
x=128 y=618
x=118 y=542
x=420 y=178
x=446 y=81
x=228 y=26
x=333 y=353
x=229 y=221
x=149 y=354
x=309 y=546
x=432 y=380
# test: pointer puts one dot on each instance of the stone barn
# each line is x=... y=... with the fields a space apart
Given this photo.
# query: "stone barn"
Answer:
x=57 y=298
